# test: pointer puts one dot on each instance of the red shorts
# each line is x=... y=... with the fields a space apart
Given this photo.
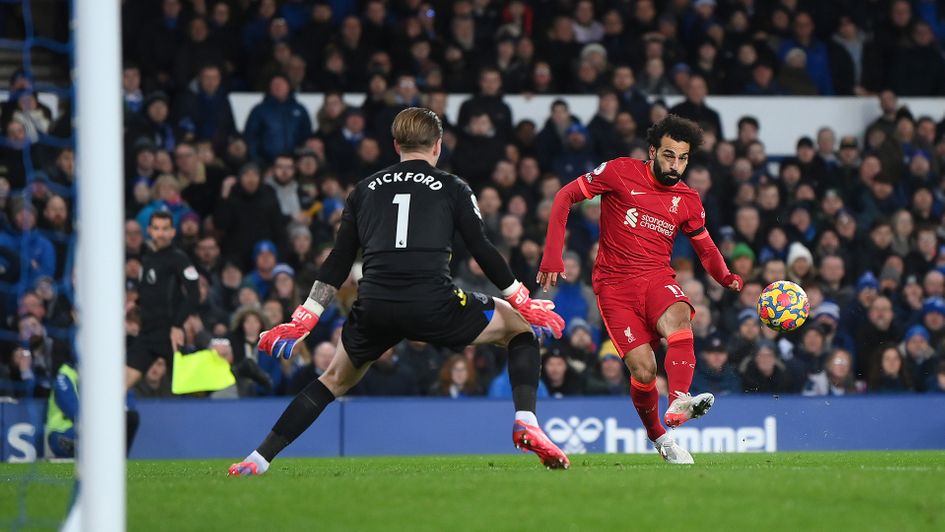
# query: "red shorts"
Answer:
x=630 y=309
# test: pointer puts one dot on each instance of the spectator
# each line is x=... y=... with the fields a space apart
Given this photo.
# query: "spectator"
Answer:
x=262 y=277
x=573 y=297
x=278 y=124
x=247 y=324
x=342 y=144
x=764 y=372
x=579 y=345
x=321 y=358
x=577 y=157
x=879 y=331
x=917 y=68
x=936 y=383
x=389 y=376
x=152 y=124
x=156 y=383
x=36 y=252
x=457 y=379
x=489 y=101
x=763 y=81
x=158 y=42
x=478 y=150
x=889 y=373
x=817 y=57
x=558 y=376
x=207 y=106
x=165 y=194
x=132 y=97
x=849 y=38
x=552 y=136
x=247 y=214
x=747 y=337
x=713 y=373
x=609 y=376
x=837 y=377
x=631 y=99
x=695 y=108
x=795 y=75
x=920 y=359
x=199 y=48
x=282 y=181
x=200 y=183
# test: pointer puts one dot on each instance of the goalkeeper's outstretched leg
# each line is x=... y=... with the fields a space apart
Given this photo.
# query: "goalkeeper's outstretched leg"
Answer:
x=508 y=328
x=340 y=377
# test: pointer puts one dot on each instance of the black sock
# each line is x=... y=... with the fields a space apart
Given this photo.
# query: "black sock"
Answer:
x=298 y=416
x=132 y=420
x=524 y=369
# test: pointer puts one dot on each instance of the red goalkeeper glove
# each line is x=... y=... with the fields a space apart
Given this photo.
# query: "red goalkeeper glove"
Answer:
x=281 y=339
x=538 y=312
x=733 y=281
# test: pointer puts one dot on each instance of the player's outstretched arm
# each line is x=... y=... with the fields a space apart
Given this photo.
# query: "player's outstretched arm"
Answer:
x=712 y=260
x=552 y=264
x=282 y=339
x=536 y=312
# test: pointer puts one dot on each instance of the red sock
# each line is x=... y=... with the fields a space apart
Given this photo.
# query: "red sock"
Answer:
x=646 y=400
x=680 y=362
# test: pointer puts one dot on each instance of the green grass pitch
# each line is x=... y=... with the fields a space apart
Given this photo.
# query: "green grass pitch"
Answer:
x=781 y=491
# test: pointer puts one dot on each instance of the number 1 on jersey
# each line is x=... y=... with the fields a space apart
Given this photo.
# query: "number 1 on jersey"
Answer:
x=403 y=219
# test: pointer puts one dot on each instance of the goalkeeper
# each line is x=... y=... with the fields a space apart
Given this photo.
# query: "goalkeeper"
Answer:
x=403 y=218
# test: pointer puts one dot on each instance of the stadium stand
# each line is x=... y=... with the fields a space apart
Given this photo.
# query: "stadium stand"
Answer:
x=856 y=219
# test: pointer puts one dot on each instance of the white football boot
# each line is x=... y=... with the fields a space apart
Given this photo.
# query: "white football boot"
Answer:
x=670 y=451
x=686 y=407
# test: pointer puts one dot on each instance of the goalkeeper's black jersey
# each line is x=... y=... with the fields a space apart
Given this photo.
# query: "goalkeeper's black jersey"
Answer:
x=403 y=218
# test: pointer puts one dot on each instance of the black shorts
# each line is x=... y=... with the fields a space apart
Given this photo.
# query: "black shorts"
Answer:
x=374 y=325
x=147 y=347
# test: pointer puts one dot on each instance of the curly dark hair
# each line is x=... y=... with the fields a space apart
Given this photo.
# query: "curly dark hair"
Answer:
x=678 y=128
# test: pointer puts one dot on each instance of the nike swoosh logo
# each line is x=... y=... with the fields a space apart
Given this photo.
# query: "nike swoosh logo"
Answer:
x=635 y=193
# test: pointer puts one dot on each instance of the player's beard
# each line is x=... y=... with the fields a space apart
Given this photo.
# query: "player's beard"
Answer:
x=668 y=179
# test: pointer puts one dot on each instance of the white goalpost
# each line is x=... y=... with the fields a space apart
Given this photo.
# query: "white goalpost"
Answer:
x=100 y=275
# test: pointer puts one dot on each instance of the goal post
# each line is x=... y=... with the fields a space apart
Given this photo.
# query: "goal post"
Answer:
x=100 y=274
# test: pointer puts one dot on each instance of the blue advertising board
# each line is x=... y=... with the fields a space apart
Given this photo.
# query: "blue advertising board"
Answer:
x=419 y=426
x=226 y=428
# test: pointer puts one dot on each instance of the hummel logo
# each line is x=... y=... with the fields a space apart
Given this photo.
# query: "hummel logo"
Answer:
x=635 y=193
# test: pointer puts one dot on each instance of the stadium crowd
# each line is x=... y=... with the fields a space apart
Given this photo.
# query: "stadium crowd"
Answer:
x=857 y=221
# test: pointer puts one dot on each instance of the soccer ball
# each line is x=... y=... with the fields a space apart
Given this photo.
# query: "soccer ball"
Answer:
x=783 y=306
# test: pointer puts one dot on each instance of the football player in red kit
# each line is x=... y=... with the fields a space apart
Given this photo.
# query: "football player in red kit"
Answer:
x=643 y=204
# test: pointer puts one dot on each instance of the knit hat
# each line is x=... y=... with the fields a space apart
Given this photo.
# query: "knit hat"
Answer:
x=933 y=304
x=264 y=246
x=607 y=350
x=742 y=250
x=917 y=330
x=283 y=268
x=867 y=280
x=799 y=251
x=747 y=314
x=828 y=309
x=578 y=323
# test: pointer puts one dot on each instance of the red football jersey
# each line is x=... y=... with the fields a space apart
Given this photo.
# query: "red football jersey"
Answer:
x=639 y=219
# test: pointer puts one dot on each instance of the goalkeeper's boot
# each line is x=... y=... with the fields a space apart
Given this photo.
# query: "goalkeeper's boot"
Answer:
x=670 y=451
x=243 y=469
x=531 y=438
x=686 y=407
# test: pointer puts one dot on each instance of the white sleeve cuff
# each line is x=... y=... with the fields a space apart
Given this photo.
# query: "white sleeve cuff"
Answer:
x=511 y=289
x=313 y=306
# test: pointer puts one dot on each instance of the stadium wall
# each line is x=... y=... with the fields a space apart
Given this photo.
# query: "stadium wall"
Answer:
x=783 y=119
x=371 y=426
